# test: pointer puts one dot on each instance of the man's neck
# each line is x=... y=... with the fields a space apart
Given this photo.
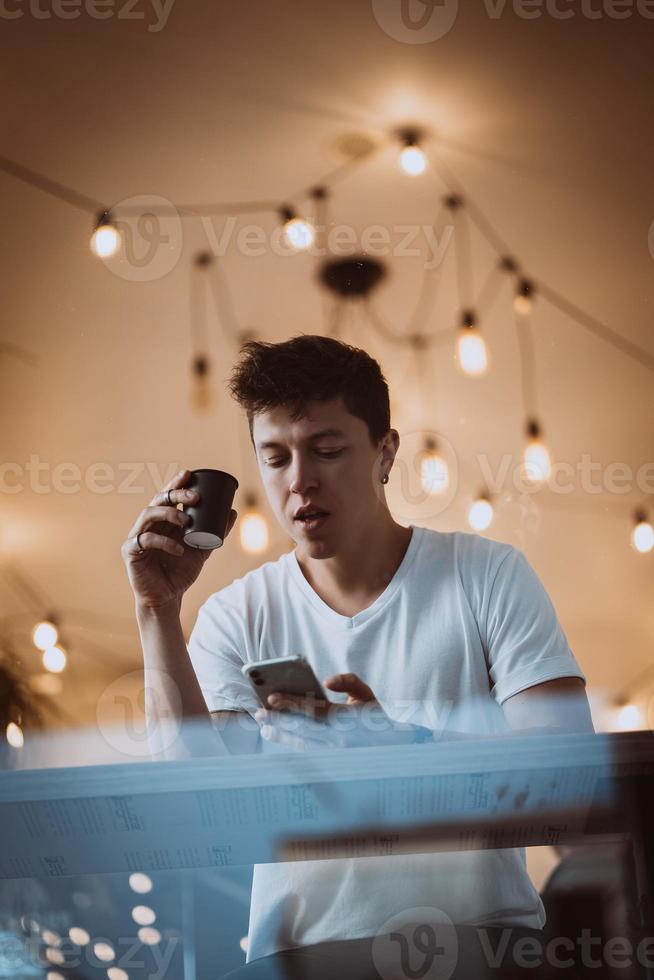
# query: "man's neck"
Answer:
x=364 y=571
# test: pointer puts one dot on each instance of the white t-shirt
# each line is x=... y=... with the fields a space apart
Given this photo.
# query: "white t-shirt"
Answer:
x=464 y=624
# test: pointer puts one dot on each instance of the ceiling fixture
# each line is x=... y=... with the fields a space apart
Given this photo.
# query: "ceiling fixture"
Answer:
x=535 y=458
x=642 y=535
x=524 y=297
x=105 y=240
x=299 y=233
x=471 y=351
x=434 y=473
x=412 y=159
x=481 y=512
x=253 y=528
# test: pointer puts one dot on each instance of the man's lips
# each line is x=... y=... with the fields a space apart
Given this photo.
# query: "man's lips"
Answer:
x=305 y=513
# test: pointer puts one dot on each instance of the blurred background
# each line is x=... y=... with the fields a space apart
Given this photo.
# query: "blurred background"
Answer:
x=463 y=190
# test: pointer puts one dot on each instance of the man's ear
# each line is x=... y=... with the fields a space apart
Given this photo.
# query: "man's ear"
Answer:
x=388 y=447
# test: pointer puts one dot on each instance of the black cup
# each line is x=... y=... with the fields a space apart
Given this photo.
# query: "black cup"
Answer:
x=209 y=517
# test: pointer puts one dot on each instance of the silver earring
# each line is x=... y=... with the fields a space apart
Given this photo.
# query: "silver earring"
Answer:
x=384 y=478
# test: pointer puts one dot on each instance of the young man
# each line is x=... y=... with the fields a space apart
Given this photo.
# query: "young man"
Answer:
x=456 y=625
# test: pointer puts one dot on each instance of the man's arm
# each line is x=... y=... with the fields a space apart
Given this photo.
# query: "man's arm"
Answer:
x=555 y=706
x=238 y=730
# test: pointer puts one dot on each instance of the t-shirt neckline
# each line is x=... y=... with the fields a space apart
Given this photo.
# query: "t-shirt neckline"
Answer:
x=349 y=622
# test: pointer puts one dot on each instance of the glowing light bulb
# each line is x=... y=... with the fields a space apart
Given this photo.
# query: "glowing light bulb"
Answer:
x=79 y=936
x=524 y=298
x=104 y=952
x=143 y=915
x=44 y=635
x=54 y=659
x=472 y=355
x=149 y=936
x=253 y=531
x=628 y=718
x=642 y=536
x=140 y=883
x=536 y=460
x=299 y=233
x=413 y=160
x=243 y=943
x=115 y=973
x=434 y=474
x=53 y=975
x=105 y=240
x=14 y=735
x=480 y=515
x=51 y=938
x=54 y=955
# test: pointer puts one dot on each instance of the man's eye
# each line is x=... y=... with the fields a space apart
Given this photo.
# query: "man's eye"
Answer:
x=329 y=453
x=275 y=462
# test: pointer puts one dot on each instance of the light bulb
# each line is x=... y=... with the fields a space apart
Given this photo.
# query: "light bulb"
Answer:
x=243 y=943
x=143 y=915
x=115 y=973
x=299 y=234
x=105 y=240
x=79 y=936
x=149 y=936
x=54 y=955
x=642 y=536
x=51 y=938
x=480 y=515
x=434 y=475
x=15 y=735
x=524 y=298
x=140 y=883
x=413 y=160
x=472 y=355
x=44 y=635
x=536 y=460
x=54 y=659
x=253 y=531
x=628 y=717
x=104 y=952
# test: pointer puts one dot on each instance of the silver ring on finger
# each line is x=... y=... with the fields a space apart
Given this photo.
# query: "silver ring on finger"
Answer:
x=170 y=502
x=139 y=549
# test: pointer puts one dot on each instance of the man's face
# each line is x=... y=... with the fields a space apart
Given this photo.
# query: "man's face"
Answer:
x=324 y=462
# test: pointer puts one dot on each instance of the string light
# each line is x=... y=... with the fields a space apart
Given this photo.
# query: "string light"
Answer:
x=105 y=240
x=54 y=659
x=201 y=393
x=434 y=473
x=14 y=735
x=412 y=158
x=149 y=936
x=54 y=955
x=115 y=973
x=51 y=938
x=253 y=528
x=140 y=883
x=79 y=936
x=628 y=717
x=481 y=512
x=143 y=915
x=299 y=233
x=44 y=635
x=642 y=535
x=104 y=952
x=536 y=460
x=524 y=297
x=471 y=352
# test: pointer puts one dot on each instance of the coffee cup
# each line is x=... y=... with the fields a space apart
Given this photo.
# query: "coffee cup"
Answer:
x=209 y=517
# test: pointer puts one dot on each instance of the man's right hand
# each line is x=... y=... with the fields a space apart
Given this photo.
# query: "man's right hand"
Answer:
x=166 y=568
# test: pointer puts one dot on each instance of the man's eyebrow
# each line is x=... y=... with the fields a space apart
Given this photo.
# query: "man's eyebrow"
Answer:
x=324 y=433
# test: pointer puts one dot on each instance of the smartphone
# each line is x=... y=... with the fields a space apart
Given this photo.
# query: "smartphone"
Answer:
x=284 y=675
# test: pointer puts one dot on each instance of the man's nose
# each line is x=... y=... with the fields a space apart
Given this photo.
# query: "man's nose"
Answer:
x=302 y=476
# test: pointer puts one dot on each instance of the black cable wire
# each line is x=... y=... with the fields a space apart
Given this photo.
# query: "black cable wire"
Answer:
x=527 y=366
x=51 y=187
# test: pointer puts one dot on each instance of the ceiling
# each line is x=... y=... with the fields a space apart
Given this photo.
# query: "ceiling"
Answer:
x=546 y=124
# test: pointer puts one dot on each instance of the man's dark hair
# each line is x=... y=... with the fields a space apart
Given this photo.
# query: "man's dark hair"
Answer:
x=310 y=368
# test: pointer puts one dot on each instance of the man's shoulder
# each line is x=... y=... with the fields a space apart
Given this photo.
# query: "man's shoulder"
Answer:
x=465 y=549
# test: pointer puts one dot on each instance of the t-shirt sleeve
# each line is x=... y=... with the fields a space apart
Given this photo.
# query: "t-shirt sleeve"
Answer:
x=215 y=647
x=524 y=641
